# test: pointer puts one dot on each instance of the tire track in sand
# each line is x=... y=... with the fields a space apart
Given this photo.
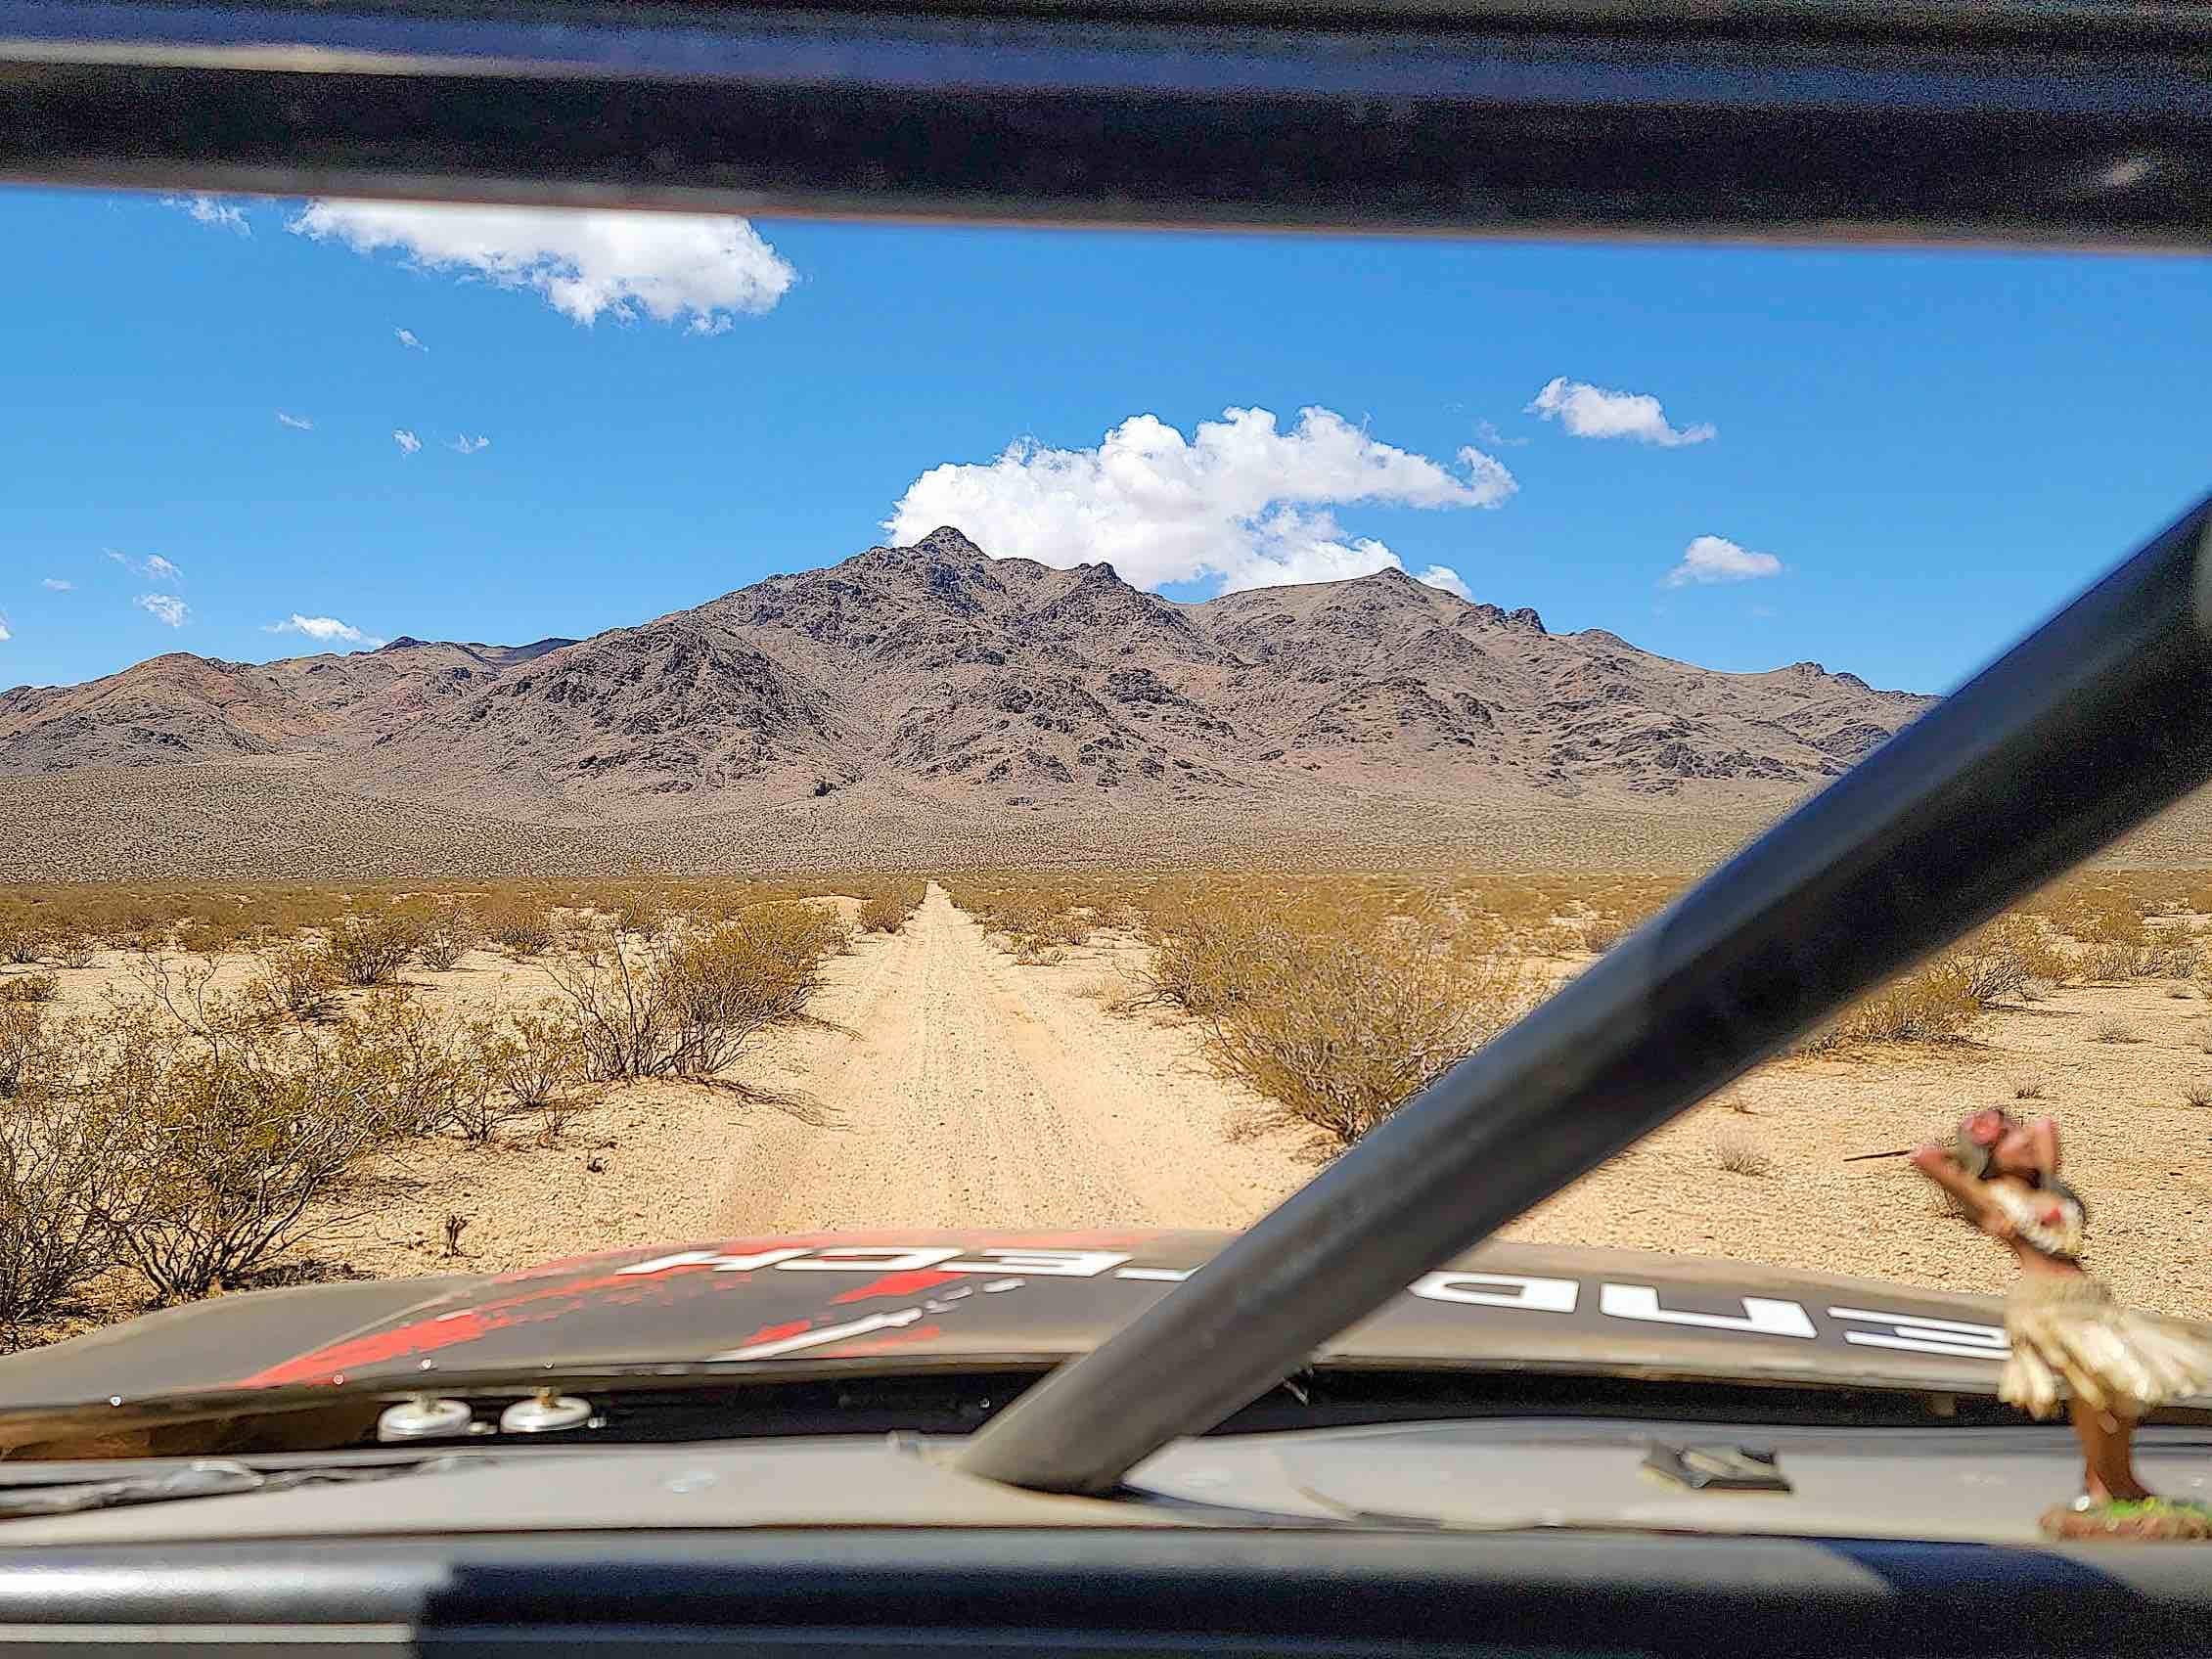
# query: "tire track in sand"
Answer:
x=965 y=1091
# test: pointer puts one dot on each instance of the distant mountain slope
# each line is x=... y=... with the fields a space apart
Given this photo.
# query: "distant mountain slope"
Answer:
x=945 y=681
x=179 y=708
x=174 y=707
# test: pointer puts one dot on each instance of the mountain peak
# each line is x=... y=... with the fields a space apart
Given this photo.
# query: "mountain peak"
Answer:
x=1389 y=579
x=945 y=541
x=943 y=546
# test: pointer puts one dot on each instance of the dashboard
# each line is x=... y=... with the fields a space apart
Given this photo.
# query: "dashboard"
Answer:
x=1491 y=1538
x=868 y=1593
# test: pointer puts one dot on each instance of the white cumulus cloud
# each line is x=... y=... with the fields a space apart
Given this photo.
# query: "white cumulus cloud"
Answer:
x=297 y=422
x=1445 y=578
x=406 y=337
x=1716 y=558
x=408 y=442
x=164 y=608
x=697 y=268
x=212 y=211
x=326 y=629
x=466 y=445
x=1239 y=499
x=1593 y=412
x=58 y=585
x=4 y=636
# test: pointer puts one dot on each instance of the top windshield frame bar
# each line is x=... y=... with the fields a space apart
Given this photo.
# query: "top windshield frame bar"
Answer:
x=2061 y=126
x=2100 y=24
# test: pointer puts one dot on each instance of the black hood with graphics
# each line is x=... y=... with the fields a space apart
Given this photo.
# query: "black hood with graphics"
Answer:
x=927 y=1300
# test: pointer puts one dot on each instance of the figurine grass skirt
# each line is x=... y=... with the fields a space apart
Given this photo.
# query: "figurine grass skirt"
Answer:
x=2071 y=1340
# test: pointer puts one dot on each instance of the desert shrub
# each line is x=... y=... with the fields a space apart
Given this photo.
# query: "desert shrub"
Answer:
x=30 y=988
x=555 y=1116
x=1934 y=1002
x=2105 y=918
x=61 y=1199
x=521 y=931
x=723 y=985
x=1521 y=905
x=541 y=1058
x=2002 y=959
x=1043 y=935
x=446 y=937
x=2173 y=957
x=537 y=1062
x=23 y=1037
x=2196 y=1094
x=885 y=908
x=1340 y=1029
x=2028 y=1089
x=373 y=949
x=643 y=910
x=2110 y=961
x=1039 y=919
x=296 y=981
x=2037 y=989
x=881 y=913
x=1037 y=928
x=475 y=1105
x=1555 y=939
x=224 y=1133
x=73 y=948
x=683 y=1004
x=143 y=934
x=208 y=935
x=1739 y=1156
x=1602 y=935
x=417 y=1070
x=22 y=943
x=2114 y=1031
x=620 y=1013
x=1203 y=943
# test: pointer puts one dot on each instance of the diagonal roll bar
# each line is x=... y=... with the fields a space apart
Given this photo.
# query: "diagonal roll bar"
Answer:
x=2087 y=726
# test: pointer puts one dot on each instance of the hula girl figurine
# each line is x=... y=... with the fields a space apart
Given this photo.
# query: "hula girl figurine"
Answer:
x=2071 y=1343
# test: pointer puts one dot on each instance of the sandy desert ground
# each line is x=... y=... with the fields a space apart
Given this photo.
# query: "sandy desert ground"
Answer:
x=939 y=1083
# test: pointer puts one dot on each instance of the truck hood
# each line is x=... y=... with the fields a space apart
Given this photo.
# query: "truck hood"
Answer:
x=922 y=1300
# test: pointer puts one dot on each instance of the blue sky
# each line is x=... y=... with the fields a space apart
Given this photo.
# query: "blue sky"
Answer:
x=1935 y=448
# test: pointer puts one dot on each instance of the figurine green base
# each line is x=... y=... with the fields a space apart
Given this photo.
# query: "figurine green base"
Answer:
x=2151 y=1520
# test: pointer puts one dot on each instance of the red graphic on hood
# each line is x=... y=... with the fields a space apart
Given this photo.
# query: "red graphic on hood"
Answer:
x=326 y=1364
x=775 y=1333
x=428 y=1335
x=897 y=1284
x=547 y=1292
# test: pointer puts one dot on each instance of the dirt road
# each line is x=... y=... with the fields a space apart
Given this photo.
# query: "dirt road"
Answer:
x=965 y=1090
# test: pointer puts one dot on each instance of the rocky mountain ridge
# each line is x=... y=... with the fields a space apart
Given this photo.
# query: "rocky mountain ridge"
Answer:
x=940 y=678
